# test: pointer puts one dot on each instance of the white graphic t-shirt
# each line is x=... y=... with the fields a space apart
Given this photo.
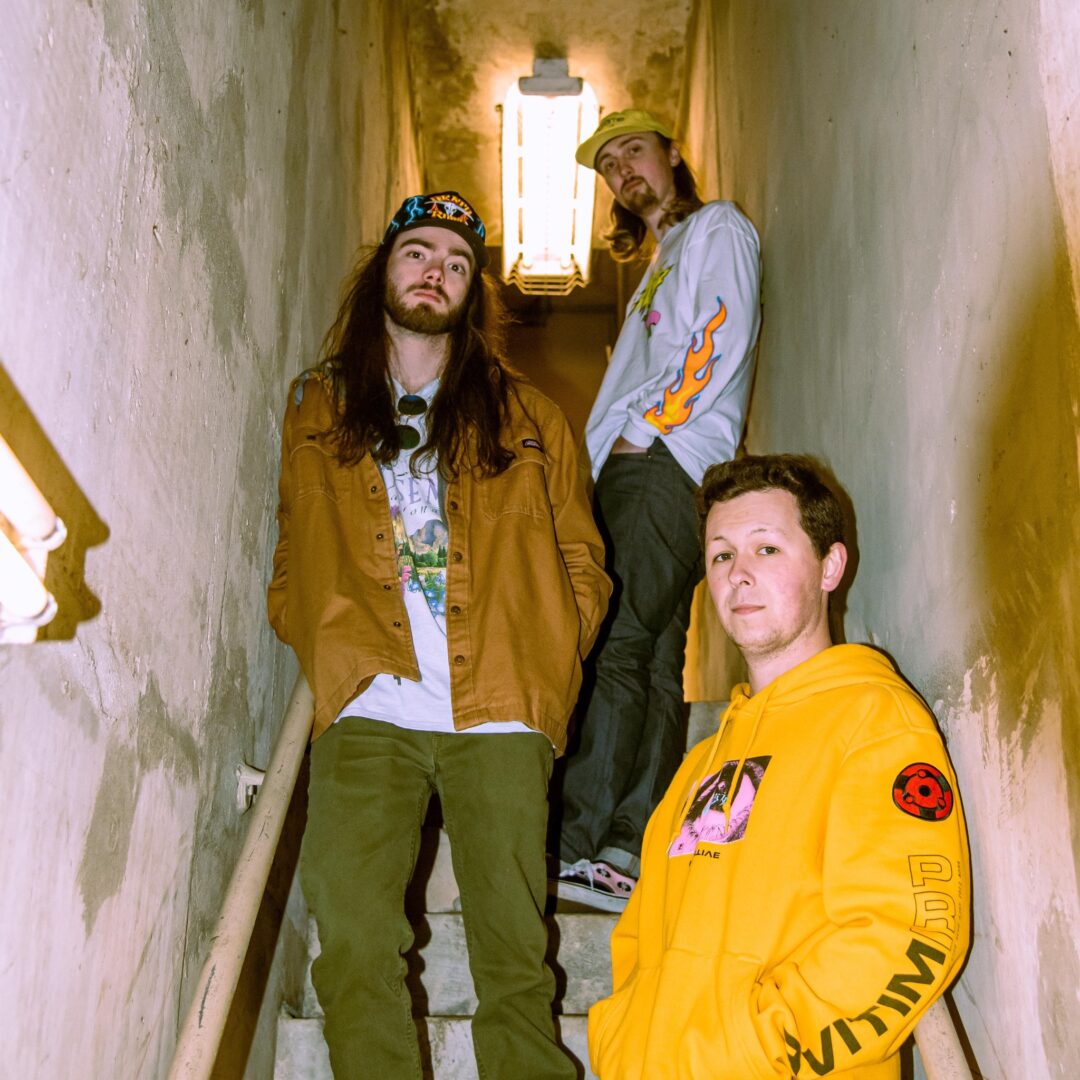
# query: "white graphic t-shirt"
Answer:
x=421 y=539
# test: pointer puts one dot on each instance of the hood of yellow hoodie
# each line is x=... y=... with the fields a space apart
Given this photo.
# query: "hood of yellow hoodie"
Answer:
x=830 y=669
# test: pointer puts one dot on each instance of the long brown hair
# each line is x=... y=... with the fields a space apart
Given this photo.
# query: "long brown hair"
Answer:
x=629 y=234
x=473 y=389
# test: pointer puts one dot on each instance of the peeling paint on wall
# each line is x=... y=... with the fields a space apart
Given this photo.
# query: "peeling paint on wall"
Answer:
x=105 y=851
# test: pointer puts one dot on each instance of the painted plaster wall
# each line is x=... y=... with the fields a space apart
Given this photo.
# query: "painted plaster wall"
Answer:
x=913 y=170
x=181 y=189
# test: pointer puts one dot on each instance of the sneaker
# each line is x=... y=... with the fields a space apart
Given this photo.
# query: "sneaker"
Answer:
x=596 y=885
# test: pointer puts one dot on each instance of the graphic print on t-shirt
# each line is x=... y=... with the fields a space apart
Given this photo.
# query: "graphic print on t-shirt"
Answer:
x=706 y=822
x=420 y=535
x=644 y=302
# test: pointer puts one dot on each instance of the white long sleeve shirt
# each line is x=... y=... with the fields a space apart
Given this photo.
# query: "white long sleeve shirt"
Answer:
x=682 y=367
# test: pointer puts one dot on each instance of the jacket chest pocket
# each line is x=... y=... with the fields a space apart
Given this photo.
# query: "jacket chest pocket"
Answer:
x=521 y=489
x=314 y=466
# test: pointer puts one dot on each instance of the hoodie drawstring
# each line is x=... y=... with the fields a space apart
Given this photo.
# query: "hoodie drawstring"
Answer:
x=737 y=698
x=714 y=746
x=733 y=789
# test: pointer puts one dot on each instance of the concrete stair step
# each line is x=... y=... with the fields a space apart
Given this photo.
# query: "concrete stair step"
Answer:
x=302 y=1054
x=434 y=888
x=439 y=976
x=441 y=983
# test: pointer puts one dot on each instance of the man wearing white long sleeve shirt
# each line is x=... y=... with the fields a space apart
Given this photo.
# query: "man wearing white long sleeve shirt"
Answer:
x=673 y=402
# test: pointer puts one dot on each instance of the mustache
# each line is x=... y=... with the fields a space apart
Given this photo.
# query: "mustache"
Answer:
x=436 y=289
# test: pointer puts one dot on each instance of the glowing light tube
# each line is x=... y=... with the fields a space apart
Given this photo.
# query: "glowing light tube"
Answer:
x=26 y=509
x=23 y=597
x=547 y=197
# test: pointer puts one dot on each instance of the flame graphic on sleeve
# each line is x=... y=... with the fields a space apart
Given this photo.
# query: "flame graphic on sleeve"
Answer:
x=692 y=377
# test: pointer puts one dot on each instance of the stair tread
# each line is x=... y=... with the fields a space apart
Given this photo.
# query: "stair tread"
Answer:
x=435 y=887
x=441 y=983
x=439 y=975
x=302 y=1055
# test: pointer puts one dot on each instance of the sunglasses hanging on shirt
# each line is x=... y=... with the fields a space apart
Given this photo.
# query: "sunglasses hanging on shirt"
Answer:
x=410 y=405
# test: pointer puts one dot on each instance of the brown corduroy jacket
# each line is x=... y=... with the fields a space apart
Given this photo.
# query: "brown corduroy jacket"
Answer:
x=525 y=589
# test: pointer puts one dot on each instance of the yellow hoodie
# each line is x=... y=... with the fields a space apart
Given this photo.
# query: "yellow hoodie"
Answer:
x=801 y=927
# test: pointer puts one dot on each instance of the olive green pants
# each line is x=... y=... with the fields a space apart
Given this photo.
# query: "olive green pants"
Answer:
x=369 y=790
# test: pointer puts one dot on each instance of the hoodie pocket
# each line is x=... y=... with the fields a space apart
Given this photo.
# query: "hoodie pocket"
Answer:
x=619 y=1027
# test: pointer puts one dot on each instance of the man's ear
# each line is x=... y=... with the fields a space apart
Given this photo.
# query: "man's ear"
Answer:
x=832 y=567
x=674 y=157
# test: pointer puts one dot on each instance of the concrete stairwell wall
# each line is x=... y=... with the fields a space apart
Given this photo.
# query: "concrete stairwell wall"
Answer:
x=182 y=186
x=913 y=170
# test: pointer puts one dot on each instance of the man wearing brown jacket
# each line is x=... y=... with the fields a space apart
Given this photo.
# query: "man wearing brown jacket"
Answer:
x=440 y=578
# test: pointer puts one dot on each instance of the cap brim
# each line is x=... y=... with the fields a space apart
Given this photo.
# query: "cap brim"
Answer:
x=476 y=245
x=587 y=152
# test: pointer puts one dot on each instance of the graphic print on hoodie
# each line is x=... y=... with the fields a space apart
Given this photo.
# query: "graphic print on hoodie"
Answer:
x=709 y=819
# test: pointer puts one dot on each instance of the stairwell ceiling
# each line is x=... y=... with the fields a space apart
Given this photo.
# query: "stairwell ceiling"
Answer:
x=465 y=53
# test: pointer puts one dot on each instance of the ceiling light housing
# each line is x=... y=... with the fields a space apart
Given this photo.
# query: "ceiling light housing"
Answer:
x=547 y=197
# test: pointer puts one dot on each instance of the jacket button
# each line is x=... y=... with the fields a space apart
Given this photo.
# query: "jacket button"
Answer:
x=455 y=609
x=388 y=587
x=378 y=536
x=374 y=489
x=458 y=556
x=396 y=623
x=453 y=505
x=459 y=660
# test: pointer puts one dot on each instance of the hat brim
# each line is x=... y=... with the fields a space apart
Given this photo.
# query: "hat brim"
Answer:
x=587 y=152
x=476 y=245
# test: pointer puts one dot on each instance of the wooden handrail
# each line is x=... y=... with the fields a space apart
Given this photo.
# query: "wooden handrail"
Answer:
x=939 y=1045
x=203 y=1027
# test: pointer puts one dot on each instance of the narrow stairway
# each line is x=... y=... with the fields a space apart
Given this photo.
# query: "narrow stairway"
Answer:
x=439 y=975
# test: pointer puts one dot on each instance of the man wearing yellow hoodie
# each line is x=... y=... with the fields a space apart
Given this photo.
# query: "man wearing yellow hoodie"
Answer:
x=804 y=893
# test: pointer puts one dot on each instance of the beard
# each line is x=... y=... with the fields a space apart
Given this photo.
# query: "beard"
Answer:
x=421 y=318
x=641 y=200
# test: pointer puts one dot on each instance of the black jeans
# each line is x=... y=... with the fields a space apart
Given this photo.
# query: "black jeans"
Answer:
x=633 y=728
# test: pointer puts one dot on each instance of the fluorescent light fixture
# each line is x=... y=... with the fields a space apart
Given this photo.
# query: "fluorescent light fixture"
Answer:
x=23 y=597
x=547 y=197
x=29 y=530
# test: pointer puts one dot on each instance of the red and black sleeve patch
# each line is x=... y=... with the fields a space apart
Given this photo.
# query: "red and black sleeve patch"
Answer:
x=922 y=791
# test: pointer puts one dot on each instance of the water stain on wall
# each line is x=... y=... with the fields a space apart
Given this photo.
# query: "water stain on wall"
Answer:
x=104 y=860
x=1058 y=995
x=296 y=180
x=254 y=503
x=1030 y=526
x=197 y=155
x=226 y=738
x=160 y=743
